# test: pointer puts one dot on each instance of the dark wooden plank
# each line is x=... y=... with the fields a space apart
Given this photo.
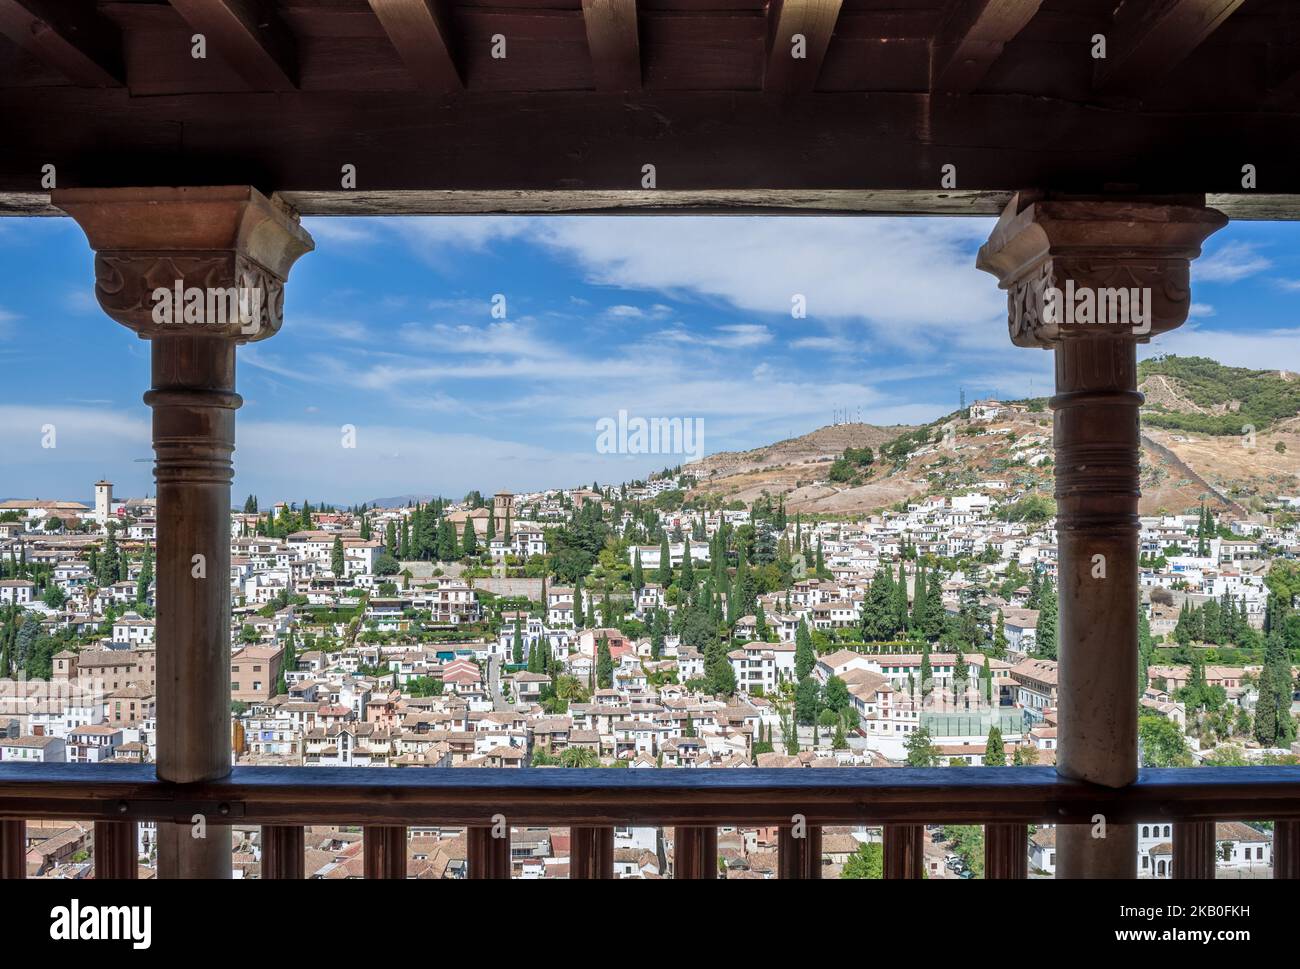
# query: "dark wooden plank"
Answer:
x=545 y=50
x=591 y=852
x=397 y=796
x=487 y=856
x=1149 y=39
x=717 y=51
x=249 y=36
x=1286 y=849
x=615 y=49
x=972 y=37
x=69 y=35
x=282 y=851
x=385 y=851
x=581 y=142
x=1006 y=851
x=904 y=850
x=813 y=22
x=116 y=851
x=13 y=849
x=1194 y=849
x=419 y=31
x=799 y=857
x=695 y=852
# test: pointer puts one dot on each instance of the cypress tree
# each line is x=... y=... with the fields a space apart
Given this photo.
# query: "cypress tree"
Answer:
x=145 y=578
x=688 y=569
x=999 y=637
x=805 y=658
x=995 y=754
x=1046 y=637
x=604 y=665
x=900 y=601
x=934 y=611
x=664 y=574
x=638 y=575
x=578 y=619
x=518 y=650
x=919 y=601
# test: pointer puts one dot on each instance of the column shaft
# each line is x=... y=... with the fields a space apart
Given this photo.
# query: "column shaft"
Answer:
x=1097 y=489
x=194 y=404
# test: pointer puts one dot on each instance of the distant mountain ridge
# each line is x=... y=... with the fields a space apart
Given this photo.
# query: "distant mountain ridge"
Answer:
x=1193 y=449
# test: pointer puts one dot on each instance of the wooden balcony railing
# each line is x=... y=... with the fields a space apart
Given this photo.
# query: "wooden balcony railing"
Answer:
x=591 y=802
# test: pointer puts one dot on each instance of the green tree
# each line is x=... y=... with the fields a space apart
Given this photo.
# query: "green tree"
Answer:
x=664 y=574
x=807 y=701
x=921 y=751
x=638 y=575
x=1045 y=641
x=1162 y=743
x=337 y=562
x=469 y=545
x=145 y=578
x=805 y=658
x=604 y=665
x=867 y=862
x=995 y=754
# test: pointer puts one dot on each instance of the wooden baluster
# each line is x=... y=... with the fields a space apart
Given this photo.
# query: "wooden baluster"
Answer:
x=591 y=852
x=1194 y=849
x=799 y=857
x=13 y=849
x=904 y=850
x=1286 y=849
x=695 y=852
x=489 y=857
x=1006 y=851
x=116 y=852
x=385 y=851
x=282 y=851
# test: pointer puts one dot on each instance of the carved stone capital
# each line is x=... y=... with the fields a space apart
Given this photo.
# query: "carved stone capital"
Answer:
x=1090 y=268
x=209 y=261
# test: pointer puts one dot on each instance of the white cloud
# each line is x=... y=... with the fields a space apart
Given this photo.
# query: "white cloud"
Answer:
x=1277 y=349
x=1230 y=262
x=338 y=230
x=913 y=279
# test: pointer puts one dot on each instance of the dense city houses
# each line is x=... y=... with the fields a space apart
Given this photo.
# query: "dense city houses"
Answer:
x=647 y=625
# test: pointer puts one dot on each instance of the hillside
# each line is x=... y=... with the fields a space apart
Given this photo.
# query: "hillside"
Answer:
x=1201 y=395
x=1192 y=450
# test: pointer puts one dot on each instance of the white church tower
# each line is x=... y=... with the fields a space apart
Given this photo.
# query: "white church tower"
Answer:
x=103 y=501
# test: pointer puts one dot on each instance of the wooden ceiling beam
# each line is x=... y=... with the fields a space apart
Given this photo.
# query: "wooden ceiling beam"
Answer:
x=1151 y=37
x=971 y=38
x=419 y=31
x=615 y=49
x=794 y=67
x=249 y=36
x=70 y=36
x=581 y=141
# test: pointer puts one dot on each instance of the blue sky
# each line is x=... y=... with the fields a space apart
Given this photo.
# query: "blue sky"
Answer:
x=389 y=328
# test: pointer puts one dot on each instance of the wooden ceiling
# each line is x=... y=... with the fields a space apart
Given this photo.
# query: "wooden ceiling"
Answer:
x=415 y=95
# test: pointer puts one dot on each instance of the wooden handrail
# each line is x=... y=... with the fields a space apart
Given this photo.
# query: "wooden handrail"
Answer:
x=407 y=796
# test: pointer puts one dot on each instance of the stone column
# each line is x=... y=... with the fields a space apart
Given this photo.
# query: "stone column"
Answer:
x=197 y=271
x=1090 y=279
